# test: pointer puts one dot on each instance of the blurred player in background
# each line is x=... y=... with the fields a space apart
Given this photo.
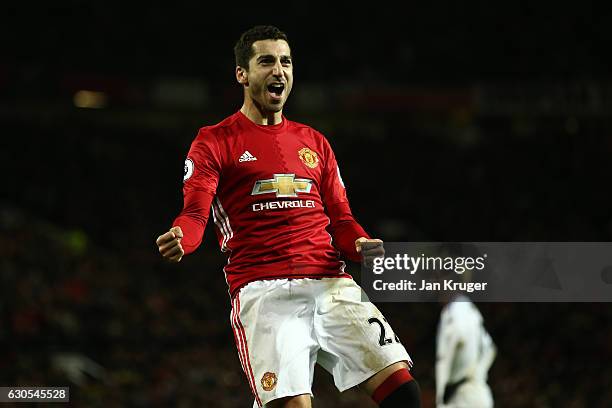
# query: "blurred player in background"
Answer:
x=464 y=353
x=283 y=218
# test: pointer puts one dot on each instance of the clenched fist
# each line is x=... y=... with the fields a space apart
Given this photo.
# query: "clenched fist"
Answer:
x=369 y=249
x=169 y=245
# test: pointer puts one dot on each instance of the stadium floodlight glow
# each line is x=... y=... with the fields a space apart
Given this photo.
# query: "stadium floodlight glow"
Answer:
x=90 y=99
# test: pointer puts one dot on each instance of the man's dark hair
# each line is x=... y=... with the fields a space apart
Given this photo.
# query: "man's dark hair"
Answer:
x=243 y=50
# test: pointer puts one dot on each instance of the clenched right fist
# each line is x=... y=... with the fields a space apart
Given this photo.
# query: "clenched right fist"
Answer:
x=169 y=245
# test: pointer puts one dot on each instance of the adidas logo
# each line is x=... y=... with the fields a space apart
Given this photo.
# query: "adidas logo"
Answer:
x=246 y=156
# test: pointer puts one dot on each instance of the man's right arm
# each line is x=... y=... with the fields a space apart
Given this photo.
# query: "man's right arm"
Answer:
x=202 y=170
x=188 y=228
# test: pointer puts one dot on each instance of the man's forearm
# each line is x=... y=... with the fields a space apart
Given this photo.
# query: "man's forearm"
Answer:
x=193 y=218
x=345 y=230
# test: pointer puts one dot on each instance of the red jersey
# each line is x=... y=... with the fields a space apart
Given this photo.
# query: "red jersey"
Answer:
x=277 y=198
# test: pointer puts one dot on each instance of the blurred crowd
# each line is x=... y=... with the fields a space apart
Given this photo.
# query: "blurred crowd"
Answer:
x=450 y=123
x=125 y=334
x=86 y=301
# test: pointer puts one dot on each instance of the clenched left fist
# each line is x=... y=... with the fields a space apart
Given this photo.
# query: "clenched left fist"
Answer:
x=369 y=249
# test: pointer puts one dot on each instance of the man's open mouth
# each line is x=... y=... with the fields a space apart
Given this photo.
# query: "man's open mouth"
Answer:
x=276 y=89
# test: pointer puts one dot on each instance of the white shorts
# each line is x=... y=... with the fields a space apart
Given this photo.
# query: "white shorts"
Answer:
x=283 y=327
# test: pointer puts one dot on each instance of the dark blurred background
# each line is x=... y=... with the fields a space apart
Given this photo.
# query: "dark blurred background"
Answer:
x=489 y=123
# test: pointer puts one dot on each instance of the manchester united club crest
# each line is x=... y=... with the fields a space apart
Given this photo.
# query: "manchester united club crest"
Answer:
x=309 y=157
x=268 y=381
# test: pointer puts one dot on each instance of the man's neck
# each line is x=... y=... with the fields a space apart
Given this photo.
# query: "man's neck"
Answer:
x=260 y=117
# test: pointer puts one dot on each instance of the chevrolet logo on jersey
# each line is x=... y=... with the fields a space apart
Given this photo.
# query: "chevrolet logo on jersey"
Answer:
x=284 y=185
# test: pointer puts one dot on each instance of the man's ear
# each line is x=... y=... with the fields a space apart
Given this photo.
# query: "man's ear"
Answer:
x=242 y=76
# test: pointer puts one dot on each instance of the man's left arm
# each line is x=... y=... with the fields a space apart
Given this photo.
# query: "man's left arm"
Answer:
x=348 y=236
